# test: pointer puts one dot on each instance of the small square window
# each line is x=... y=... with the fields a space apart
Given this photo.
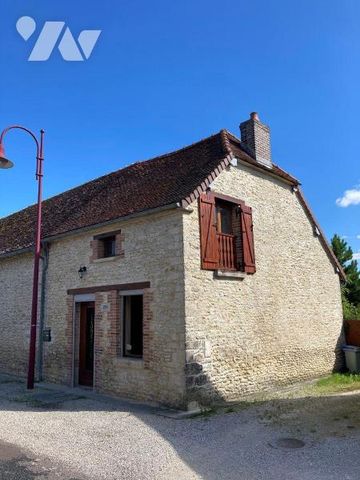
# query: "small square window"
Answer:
x=109 y=244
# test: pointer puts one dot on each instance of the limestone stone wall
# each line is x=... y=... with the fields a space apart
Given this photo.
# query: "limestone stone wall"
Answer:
x=281 y=324
x=152 y=251
x=15 y=312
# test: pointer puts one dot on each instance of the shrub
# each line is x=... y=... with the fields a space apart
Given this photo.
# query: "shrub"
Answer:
x=351 y=312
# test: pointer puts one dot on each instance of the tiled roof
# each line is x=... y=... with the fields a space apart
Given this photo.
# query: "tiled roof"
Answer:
x=175 y=177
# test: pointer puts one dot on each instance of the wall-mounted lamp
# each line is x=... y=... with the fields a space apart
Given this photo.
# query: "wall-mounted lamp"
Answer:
x=82 y=271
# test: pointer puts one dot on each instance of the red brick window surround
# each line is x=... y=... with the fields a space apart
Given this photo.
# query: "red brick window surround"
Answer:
x=129 y=344
x=108 y=328
x=119 y=335
x=132 y=325
x=107 y=245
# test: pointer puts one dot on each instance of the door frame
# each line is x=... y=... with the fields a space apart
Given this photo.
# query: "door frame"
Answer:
x=86 y=344
x=78 y=300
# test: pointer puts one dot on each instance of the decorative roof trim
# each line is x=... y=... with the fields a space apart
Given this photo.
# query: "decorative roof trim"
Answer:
x=225 y=162
x=225 y=141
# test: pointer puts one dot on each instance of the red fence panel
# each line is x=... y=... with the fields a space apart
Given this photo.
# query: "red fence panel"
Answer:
x=352 y=332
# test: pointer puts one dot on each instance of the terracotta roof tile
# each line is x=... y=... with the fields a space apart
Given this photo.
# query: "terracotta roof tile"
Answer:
x=139 y=187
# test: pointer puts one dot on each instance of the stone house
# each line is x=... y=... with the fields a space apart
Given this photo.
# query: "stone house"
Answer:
x=200 y=275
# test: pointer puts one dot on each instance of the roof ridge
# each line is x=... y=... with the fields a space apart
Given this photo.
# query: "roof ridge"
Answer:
x=234 y=137
x=161 y=180
x=242 y=145
x=138 y=162
x=180 y=149
x=230 y=134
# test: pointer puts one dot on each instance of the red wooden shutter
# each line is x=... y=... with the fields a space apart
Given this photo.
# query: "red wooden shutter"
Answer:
x=208 y=238
x=247 y=239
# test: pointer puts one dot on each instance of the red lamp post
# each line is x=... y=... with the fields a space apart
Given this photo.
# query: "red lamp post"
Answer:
x=5 y=163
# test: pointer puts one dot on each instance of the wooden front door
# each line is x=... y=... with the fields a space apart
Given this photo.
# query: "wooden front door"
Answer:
x=86 y=350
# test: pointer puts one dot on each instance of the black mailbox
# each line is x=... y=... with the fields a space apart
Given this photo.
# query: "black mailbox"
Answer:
x=46 y=336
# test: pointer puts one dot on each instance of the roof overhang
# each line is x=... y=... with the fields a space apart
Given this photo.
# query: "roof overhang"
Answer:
x=79 y=231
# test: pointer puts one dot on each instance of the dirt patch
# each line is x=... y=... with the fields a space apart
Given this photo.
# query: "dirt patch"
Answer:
x=50 y=400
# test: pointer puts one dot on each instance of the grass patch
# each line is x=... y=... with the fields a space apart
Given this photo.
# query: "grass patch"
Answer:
x=220 y=409
x=205 y=413
x=338 y=382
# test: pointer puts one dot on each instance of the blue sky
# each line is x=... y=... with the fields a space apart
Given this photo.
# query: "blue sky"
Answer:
x=165 y=74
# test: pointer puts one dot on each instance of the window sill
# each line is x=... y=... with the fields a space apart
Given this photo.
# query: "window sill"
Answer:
x=106 y=259
x=131 y=362
x=229 y=274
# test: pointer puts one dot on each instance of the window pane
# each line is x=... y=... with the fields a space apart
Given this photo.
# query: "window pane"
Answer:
x=133 y=326
x=109 y=246
x=224 y=218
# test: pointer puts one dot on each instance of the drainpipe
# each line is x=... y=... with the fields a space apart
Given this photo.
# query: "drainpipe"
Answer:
x=40 y=351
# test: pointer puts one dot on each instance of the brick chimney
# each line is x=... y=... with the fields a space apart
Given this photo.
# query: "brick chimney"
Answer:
x=256 y=137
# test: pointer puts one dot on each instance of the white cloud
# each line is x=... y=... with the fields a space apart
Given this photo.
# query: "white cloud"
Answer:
x=358 y=237
x=350 y=197
x=356 y=256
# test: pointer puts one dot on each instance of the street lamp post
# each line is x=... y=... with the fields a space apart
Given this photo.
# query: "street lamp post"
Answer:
x=6 y=163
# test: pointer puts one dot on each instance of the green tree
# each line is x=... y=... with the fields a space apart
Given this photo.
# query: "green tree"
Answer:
x=344 y=253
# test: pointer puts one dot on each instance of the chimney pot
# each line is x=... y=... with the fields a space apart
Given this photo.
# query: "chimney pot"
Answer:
x=254 y=116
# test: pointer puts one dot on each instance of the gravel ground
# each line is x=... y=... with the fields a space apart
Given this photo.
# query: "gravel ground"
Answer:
x=16 y=464
x=63 y=434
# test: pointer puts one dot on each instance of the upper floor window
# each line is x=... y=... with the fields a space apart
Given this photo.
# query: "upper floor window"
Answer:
x=107 y=245
x=227 y=240
x=224 y=221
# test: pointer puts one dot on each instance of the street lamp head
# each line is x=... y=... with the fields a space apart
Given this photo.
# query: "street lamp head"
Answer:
x=4 y=162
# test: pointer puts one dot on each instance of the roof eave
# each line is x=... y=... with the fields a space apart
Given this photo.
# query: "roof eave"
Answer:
x=87 y=228
x=338 y=268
